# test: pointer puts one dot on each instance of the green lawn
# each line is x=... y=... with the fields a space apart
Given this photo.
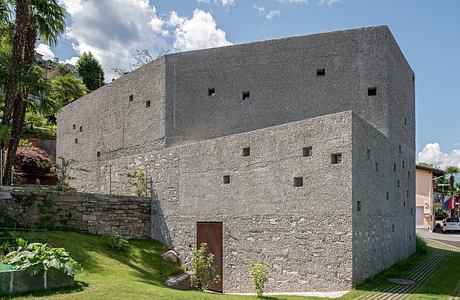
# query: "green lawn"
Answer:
x=141 y=273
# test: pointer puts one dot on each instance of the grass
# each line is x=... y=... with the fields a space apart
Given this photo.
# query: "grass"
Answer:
x=141 y=272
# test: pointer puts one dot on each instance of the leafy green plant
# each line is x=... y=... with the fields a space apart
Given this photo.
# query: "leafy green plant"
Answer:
x=138 y=179
x=259 y=274
x=37 y=257
x=6 y=247
x=204 y=272
x=117 y=242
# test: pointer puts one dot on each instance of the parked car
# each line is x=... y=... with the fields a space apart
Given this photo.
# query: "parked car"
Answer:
x=452 y=224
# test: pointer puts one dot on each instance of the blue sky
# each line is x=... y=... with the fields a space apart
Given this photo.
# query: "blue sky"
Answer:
x=427 y=32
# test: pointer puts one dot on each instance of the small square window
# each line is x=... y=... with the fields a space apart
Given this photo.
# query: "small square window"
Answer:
x=387 y=195
x=358 y=206
x=372 y=91
x=368 y=154
x=394 y=167
x=405 y=121
x=298 y=181
x=98 y=153
x=398 y=183
x=211 y=92
x=246 y=151
x=147 y=103
x=131 y=98
x=321 y=72
x=76 y=141
x=410 y=238
x=393 y=227
x=81 y=128
x=226 y=179
x=307 y=151
x=407 y=194
x=403 y=165
x=408 y=174
x=404 y=203
x=74 y=126
x=246 y=95
x=336 y=158
x=400 y=150
x=411 y=211
x=376 y=166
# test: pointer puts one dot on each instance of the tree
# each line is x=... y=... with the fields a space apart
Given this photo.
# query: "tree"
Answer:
x=90 y=70
x=425 y=164
x=65 y=89
x=27 y=84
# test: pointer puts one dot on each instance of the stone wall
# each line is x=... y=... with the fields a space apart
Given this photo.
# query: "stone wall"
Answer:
x=94 y=213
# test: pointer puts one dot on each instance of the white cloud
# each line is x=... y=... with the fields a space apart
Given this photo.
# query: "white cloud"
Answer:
x=260 y=9
x=219 y=2
x=45 y=50
x=113 y=29
x=71 y=61
x=433 y=154
x=198 y=32
x=271 y=14
x=328 y=2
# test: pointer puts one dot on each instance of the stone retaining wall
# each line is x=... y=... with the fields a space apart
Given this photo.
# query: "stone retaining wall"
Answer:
x=94 y=213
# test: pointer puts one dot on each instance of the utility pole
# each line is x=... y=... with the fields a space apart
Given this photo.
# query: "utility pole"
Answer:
x=452 y=180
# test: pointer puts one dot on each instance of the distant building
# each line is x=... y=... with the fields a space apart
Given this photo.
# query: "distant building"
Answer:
x=426 y=198
x=299 y=152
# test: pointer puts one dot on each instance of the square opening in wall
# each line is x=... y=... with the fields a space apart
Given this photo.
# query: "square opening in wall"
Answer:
x=131 y=98
x=376 y=166
x=211 y=92
x=358 y=206
x=147 y=103
x=98 y=153
x=405 y=121
x=246 y=95
x=393 y=227
x=408 y=174
x=298 y=181
x=81 y=128
x=394 y=167
x=387 y=195
x=398 y=183
x=400 y=149
x=74 y=126
x=321 y=72
x=307 y=151
x=368 y=154
x=403 y=165
x=226 y=179
x=336 y=158
x=372 y=91
x=246 y=151
x=76 y=141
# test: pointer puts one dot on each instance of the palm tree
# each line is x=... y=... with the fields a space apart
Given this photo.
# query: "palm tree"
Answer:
x=66 y=88
x=452 y=170
x=45 y=19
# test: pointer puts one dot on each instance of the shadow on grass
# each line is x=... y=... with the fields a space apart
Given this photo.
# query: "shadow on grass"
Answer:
x=436 y=284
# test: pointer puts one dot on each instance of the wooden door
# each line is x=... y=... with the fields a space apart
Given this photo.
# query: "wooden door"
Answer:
x=211 y=234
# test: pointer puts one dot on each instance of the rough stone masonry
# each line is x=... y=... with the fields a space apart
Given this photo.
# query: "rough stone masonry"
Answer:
x=302 y=148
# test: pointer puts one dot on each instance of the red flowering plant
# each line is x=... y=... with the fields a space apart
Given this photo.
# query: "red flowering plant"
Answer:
x=33 y=160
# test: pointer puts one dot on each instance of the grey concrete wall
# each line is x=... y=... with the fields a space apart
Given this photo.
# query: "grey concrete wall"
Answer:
x=384 y=229
x=281 y=77
x=111 y=123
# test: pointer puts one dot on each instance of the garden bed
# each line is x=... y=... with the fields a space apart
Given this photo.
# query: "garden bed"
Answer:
x=18 y=281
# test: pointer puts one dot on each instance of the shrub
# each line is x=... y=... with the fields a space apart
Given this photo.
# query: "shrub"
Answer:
x=6 y=247
x=32 y=160
x=204 y=273
x=259 y=274
x=117 y=242
x=37 y=257
x=138 y=179
x=420 y=246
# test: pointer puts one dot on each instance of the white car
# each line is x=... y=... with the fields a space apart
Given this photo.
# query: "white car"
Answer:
x=452 y=224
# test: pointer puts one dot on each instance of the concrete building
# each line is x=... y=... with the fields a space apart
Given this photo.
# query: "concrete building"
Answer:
x=299 y=152
x=426 y=199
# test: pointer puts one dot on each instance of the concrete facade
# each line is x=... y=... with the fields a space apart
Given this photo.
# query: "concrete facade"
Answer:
x=187 y=125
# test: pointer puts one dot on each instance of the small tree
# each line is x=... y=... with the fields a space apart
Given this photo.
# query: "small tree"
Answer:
x=204 y=272
x=90 y=70
x=259 y=273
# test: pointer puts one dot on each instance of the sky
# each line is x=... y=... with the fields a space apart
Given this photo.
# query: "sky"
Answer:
x=427 y=32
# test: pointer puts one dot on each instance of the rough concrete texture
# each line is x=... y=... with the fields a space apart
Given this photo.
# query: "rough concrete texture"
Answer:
x=313 y=237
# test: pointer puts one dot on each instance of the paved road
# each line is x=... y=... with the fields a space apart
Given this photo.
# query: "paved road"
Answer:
x=451 y=238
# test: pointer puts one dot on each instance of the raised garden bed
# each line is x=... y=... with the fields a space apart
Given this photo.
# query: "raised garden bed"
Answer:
x=18 y=281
